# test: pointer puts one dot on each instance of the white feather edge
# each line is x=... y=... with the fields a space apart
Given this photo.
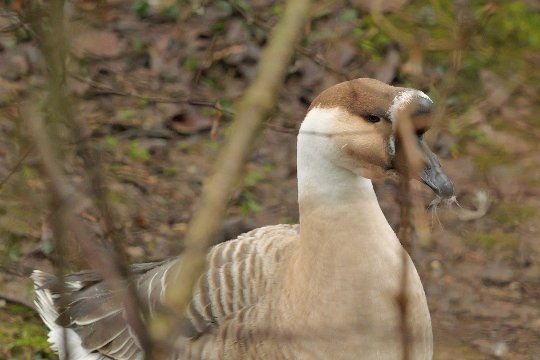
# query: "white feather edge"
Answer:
x=48 y=313
x=401 y=100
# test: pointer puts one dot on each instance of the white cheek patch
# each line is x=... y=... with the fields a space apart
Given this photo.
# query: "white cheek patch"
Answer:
x=401 y=100
x=318 y=121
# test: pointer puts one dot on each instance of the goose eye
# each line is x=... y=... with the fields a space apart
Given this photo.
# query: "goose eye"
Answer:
x=373 y=118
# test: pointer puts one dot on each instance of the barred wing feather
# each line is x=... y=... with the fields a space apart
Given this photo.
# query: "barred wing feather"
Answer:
x=238 y=273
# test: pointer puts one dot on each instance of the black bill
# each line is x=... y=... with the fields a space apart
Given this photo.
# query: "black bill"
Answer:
x=433 y=175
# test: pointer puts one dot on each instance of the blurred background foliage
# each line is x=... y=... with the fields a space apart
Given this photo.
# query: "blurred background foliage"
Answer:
x=478 y=59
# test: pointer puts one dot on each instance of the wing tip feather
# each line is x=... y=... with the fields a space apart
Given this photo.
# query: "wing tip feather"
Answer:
x=48 y=312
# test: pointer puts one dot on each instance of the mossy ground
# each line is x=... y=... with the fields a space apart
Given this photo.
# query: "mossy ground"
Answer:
x=502 y=221
x=22 y=335
x=509 y=216
x=494 y=240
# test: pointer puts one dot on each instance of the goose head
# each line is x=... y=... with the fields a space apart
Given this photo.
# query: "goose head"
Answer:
x=353 y=125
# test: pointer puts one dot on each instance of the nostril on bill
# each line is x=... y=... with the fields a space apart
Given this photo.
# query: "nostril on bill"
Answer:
x=446 y=189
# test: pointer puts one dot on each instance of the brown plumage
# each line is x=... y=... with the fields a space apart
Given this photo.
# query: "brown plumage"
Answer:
x=326 y=288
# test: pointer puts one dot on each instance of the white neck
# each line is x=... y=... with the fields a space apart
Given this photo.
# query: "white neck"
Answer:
x=341 y=222
x=321 y=181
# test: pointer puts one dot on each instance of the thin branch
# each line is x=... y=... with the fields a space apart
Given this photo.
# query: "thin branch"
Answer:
x=281 y=129
x=412 y=161
x=99 y=259
x=403 y=302
x=110 y=264
x=11 y=27
x=404 y=38
x=319 y=60
x=310 y=54
x=256 y=104
x=15 y=22
x=105 y=89
x=524 y=126
x=17 y=166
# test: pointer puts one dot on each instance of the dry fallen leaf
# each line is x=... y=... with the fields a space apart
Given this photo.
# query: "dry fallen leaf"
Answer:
x=98 y=43
x=189 y=122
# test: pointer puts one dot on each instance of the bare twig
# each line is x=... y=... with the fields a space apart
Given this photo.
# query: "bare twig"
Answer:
x=319 y=60
x=524 y=126
x=11 y=27
x=105 y=89
x=252 y=110
x=405 y=224
x=412 y=161
x=208 y=62
x=406 y=39
x=59 y=196
x=109 y=264
x=310 y=54
x=15 y=22
x=16 y=166
x=281 y=129
x=403 y=302
x=99 y=259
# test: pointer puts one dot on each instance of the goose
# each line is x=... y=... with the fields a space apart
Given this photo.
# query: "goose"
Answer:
x=326 y=288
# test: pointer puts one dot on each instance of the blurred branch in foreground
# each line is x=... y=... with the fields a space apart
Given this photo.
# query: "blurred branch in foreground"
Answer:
x=412 y=165
x=253 y=108
x=108 y=261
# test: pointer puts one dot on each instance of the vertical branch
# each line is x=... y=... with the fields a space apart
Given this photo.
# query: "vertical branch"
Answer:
x=405 y=232
x=412 y=164
x=49 y=24
x=65 y=219
x=54 y=54
x=255 y=105
x=420 y=220
x=58 y=202
x=403 y=302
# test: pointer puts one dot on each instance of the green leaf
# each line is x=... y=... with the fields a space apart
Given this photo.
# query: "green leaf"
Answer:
x=138 y=152
x=252 y=178
x=348 y=15
x=111 y=141
x=141 y=8
x=127 y=114
x=171 y=12
x=143 y=101
x=191 y=63
x=249 y=205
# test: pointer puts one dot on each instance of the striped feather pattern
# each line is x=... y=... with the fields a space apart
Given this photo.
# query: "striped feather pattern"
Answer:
x=237 y=277
x=333 y=292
